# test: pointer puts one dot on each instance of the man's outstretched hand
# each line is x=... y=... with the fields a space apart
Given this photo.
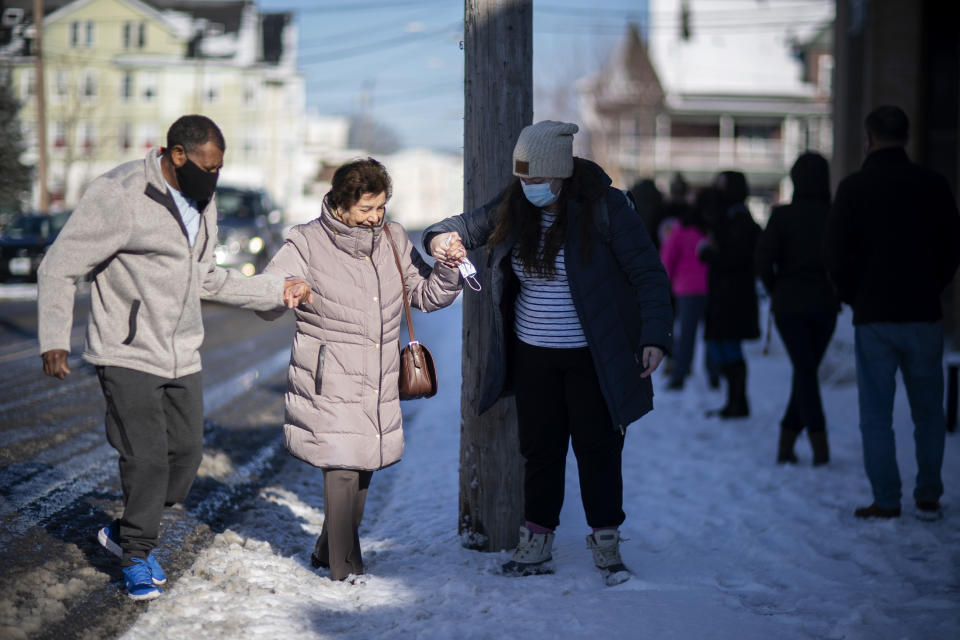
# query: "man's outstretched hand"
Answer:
x=55 y=363
x=296 y=291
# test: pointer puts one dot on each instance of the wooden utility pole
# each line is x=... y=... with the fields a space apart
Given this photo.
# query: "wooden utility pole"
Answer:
x=498 y=95
x=41 y=107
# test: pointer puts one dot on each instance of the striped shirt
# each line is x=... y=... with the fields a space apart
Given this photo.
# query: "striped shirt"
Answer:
x=545 y=315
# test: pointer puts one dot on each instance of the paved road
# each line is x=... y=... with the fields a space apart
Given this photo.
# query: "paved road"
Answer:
x=58 y=476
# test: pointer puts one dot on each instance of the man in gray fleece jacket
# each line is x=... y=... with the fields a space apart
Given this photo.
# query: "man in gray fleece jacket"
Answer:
x=147 y=231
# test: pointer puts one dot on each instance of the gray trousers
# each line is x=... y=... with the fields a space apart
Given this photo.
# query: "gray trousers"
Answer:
x=338 y=547
x=156 y=425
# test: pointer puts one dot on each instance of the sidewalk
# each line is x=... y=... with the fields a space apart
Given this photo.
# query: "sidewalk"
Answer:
x=723 y=543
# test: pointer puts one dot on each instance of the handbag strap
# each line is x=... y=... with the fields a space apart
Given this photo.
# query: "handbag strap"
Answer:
x=403 y=286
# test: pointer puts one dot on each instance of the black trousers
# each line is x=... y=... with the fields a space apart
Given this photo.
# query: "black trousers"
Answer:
x=805 y=336
x=558 y=399
x=156 y=425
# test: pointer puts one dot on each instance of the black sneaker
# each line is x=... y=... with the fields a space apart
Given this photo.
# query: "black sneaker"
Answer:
x=929 y=511
x=874 y=511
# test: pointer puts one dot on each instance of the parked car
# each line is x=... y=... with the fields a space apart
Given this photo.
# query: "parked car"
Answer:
x=24 y=242
x=250 y=229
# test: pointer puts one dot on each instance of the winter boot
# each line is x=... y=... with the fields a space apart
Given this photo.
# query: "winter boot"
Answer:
x=737 y=406
x=725 y=372
x=605 y=545
x=821 y=451
x=785 y=454
x=532 y=555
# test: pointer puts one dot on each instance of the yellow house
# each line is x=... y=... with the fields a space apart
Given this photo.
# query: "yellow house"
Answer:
x=118 y=72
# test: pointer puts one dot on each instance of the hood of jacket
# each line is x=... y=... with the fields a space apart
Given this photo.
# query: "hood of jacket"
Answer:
x=810 y=175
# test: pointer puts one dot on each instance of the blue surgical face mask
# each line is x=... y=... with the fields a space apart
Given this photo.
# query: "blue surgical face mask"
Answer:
x=539 y=194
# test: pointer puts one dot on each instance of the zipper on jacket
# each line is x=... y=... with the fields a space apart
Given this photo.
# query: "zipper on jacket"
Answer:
x=376 y=273
x=186 y=295
x=575 y=297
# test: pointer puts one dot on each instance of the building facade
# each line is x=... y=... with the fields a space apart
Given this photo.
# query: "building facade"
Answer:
x=730 y=84
x=117 y=73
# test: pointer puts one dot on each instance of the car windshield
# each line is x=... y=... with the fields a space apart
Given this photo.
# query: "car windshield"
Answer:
x=36 y=225
x=241 y=205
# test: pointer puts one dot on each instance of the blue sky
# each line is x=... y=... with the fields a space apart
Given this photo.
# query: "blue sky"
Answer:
x=401 y=61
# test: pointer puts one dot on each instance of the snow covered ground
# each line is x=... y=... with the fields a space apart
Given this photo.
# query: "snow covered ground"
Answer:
x=723 y=543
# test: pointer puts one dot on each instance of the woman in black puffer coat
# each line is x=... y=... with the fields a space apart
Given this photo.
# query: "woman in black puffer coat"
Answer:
x=576 y=317
x=731 y=287
x=789 y=260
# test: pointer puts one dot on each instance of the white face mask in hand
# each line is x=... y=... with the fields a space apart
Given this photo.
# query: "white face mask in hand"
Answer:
x=467 y=270
x=539 y=194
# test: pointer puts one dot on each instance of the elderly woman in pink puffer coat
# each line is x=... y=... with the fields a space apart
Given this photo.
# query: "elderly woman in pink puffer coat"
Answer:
x=342 y=406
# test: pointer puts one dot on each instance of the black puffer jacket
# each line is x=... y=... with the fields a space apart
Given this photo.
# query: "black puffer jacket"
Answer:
x=621 y=293
x=893 y=240
x=789 y=257
x=731 y=282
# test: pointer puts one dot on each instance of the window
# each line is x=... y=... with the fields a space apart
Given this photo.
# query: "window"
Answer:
x=61 y=85
x=211 y=90
x=59 y=136
x=89 y=87
x=126 y=85
x=28 y=83
x=74 y=34
x=250 y=92
x=82 y=33
x=133 y=30
x=148 y=86
x=148 y=136
x=89 y=32
x=825 y=73
x=125 y=136
x=87 y=136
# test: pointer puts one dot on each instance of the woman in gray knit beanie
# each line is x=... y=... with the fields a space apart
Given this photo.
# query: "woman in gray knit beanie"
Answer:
x=581 y=317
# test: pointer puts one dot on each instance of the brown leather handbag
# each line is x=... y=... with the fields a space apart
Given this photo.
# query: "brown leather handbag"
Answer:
x=418 y=376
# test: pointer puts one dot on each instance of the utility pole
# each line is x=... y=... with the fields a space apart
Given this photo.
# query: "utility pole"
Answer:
x=498 y=97
x=41 y=107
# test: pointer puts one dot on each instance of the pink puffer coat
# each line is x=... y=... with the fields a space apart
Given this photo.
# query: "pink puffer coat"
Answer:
x=342 y=404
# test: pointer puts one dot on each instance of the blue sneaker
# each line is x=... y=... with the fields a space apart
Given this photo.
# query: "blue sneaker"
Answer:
x=139 y=581
x=156 y=571
x=109 y=538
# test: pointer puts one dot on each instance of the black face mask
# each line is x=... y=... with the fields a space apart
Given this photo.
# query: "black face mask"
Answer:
x=195 y=183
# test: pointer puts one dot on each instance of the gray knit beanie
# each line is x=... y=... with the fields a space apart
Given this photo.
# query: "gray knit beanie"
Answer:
x=545 y=150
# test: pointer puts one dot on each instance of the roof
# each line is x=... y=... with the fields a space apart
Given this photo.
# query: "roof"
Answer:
x=734 y=46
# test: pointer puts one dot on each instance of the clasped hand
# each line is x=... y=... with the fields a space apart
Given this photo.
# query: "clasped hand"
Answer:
x=296 y=291
x=448 y=248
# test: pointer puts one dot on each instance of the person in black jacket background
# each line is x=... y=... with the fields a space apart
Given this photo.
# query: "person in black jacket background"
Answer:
x=789 y=261
x=731 y=287
x=892 y=245
x=576 y=310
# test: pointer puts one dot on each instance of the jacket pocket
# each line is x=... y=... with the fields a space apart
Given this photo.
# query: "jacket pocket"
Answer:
x=318 y=375
x=132 y=322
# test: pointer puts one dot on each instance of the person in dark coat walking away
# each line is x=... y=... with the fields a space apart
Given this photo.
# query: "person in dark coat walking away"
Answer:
x=731 y=288
x=580 y=317
x=790 y=263
x=688 y=282
x=892 y=246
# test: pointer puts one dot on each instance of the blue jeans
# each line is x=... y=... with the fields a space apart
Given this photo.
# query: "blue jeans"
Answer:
x=916 y=348
x=690 y=310
x=724 y=351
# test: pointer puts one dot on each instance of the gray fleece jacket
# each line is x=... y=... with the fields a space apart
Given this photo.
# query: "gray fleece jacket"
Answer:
x=148 y=280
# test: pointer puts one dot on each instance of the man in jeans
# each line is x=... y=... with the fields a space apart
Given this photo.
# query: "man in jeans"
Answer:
x=892 y=244
x=147 y=230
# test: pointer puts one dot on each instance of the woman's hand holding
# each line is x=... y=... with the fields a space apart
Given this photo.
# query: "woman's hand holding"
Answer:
x=448 y=248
